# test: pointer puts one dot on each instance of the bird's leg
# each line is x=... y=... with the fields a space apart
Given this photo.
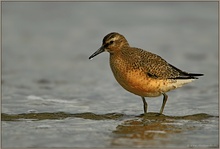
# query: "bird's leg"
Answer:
x=164 y=102
x=145 y=105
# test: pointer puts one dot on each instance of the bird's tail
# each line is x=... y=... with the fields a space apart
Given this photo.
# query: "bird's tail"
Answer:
x=186 y=75
x=194 y=75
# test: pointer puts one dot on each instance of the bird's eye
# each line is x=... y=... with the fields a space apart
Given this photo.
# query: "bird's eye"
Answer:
x=108 y=43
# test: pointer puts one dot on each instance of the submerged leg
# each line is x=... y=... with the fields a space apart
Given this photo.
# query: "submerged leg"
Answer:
x=164 y=102
x=145 y=105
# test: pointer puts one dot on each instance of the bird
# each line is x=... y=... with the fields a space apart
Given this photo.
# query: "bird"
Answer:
x=141 y=72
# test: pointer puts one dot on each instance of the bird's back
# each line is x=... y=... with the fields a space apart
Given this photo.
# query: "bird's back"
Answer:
x=153 y=65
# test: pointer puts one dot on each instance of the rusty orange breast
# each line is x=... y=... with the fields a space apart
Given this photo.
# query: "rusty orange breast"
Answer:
x=135 y=80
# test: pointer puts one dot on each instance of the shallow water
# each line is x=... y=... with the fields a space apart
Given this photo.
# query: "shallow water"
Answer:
x=45 y=69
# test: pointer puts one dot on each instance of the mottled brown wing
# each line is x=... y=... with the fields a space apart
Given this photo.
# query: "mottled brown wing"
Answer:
x=154 y=66
x=157 y=67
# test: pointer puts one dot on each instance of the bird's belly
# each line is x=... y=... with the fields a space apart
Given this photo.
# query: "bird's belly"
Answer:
x=143 y=90
x=138 y=83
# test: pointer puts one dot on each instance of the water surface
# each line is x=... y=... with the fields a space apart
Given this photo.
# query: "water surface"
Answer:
x=45 y=69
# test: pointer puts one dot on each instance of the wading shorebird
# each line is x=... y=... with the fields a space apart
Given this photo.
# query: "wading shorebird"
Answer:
x=141 y=72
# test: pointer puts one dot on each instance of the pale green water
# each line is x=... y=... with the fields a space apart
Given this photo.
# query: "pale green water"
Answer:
x=45 y=68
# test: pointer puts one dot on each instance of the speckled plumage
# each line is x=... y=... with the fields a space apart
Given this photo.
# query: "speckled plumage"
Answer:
x=141 y=72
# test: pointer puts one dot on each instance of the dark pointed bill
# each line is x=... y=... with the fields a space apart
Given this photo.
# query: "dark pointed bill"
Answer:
x=100 y=50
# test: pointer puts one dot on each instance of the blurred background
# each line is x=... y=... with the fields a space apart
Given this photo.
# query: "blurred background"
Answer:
x=45 y=65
